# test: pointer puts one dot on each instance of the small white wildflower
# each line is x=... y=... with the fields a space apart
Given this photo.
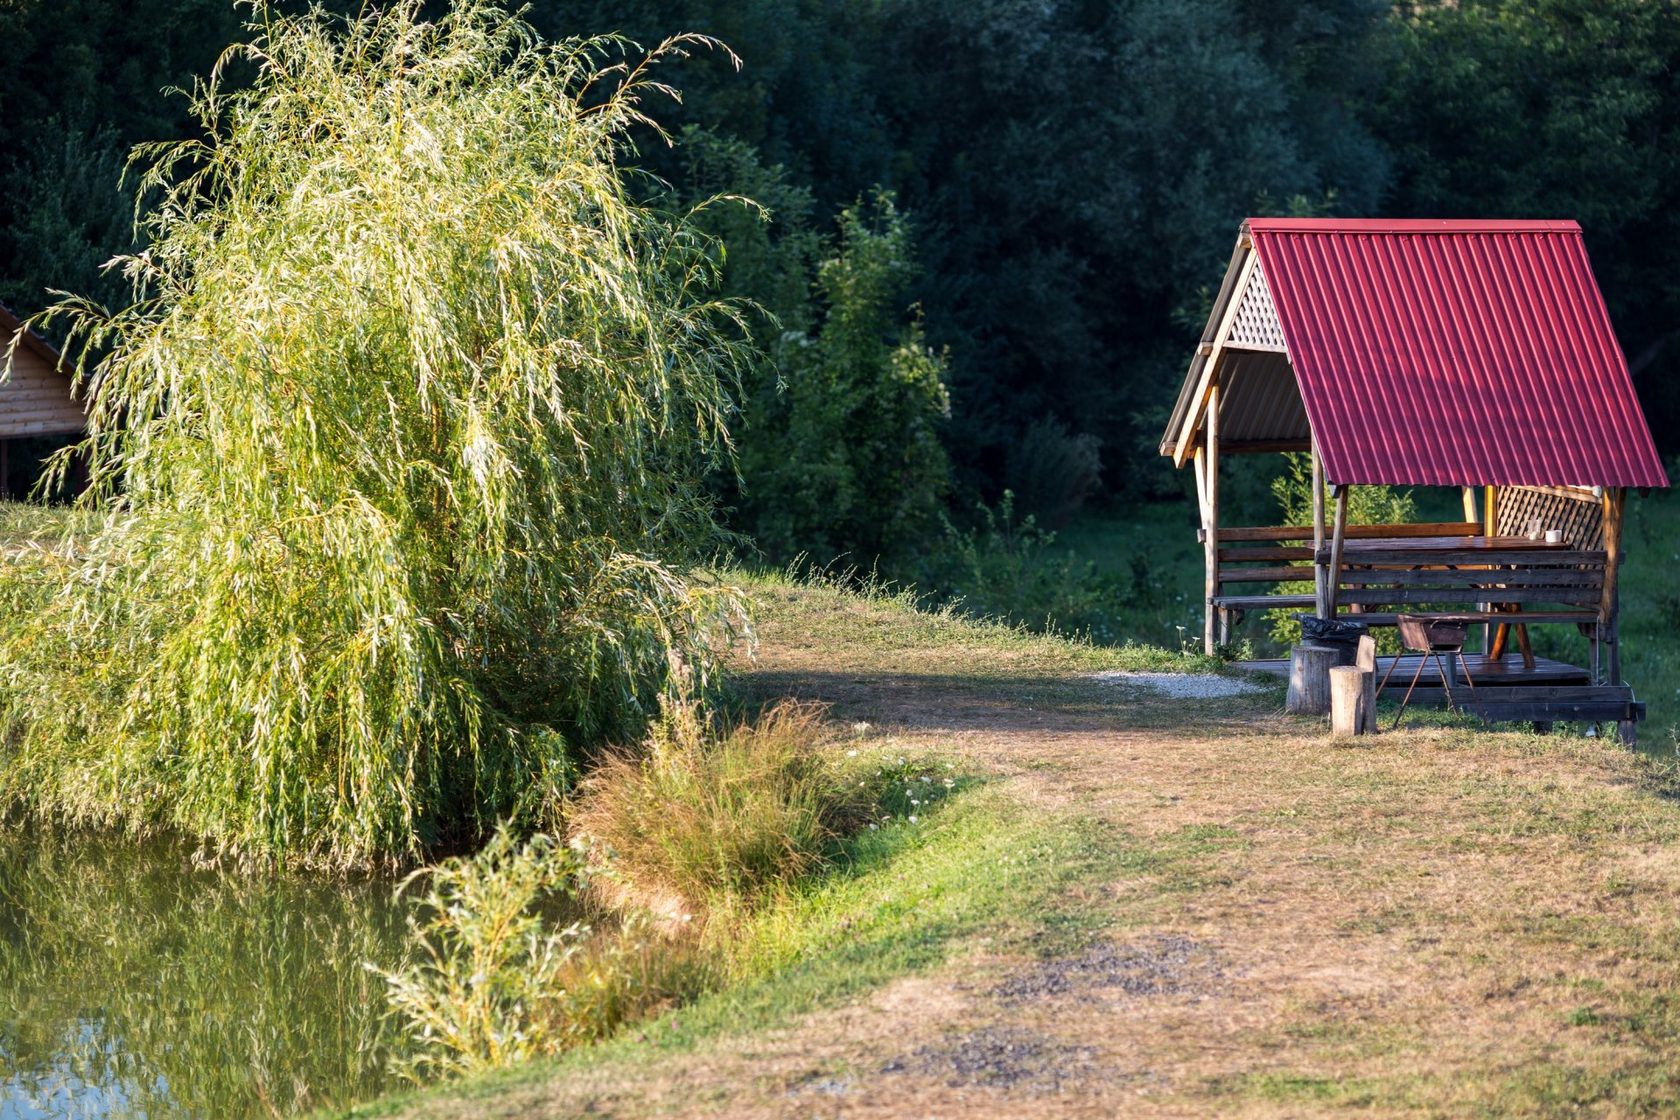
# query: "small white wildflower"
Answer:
x=913 y=801
x=851 y=754
x=925 y=778
x=911 y=818
x=873 y=827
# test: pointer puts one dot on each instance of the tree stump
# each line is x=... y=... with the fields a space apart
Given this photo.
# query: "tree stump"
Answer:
x=1353 y=700
x=1309 y=679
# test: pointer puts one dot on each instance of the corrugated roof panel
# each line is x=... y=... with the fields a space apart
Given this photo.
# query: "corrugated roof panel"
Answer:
x=1455 y=353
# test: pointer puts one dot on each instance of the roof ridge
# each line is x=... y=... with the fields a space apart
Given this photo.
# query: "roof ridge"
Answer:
x=1412 y=225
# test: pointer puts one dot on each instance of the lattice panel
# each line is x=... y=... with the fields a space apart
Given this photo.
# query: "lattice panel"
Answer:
x=1255 y=326
x=1581 y=518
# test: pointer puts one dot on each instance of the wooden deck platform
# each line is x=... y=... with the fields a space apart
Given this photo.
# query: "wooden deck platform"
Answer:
x=1508 y=673
x=1506 y=690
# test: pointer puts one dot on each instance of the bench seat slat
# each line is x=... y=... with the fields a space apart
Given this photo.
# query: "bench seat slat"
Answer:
x=1501 y=577
x=1388 y=618
x=1380 y=595
x=1262 y=602
x=1466 y=560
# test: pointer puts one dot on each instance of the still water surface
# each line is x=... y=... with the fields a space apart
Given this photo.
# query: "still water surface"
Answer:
x=135 y=985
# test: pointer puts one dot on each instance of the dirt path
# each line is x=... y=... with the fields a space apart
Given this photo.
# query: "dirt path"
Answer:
x=1441 y=922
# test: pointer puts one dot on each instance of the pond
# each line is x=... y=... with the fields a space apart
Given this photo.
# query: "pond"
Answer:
x=134 y=984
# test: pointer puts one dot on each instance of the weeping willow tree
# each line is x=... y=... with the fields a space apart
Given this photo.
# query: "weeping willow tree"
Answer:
x=396 y=455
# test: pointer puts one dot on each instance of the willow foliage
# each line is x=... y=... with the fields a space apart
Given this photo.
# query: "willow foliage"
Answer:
x=398 y=452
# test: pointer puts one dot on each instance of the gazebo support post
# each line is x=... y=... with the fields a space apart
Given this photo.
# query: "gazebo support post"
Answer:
x=1470 y=503
x=1212 y=626
x=1608 y=626
x=1322 y=601
x=1337 y=539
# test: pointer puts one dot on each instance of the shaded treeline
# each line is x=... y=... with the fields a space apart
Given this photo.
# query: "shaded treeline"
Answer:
x=1065 y=179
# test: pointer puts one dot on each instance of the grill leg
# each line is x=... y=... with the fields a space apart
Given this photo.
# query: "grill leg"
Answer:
x=1447 y=682
x=1392 y=665
x=1465 y=665
x=1422 y=661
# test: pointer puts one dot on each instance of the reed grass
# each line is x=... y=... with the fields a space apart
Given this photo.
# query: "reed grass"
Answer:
x=396 y=454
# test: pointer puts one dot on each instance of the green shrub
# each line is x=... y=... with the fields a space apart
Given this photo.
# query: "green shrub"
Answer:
x=399 y=451
x=699 y=823
x=1011 y=569
x=1367 y=505
x=1052 y=471
x=842 y=455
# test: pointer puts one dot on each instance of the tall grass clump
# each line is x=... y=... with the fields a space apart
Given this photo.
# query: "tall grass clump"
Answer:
x=397 y=453
x=698 y=823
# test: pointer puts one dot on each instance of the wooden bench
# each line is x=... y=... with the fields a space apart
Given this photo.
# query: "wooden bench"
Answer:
x=1501 y=588
x=1261 y=555
x=1556 y=585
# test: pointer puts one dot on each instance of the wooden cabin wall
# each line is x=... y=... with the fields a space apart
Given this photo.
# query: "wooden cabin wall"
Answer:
x=35 y=400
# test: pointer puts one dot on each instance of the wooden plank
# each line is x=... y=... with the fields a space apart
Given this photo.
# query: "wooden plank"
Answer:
x=1380 y=596
x=1263 y=602
x=1613 y=503
x=1198 y=468
x=1526 y=707
x=1249 y=552
x=42 y=428
x=1387 y=618
x=1193 y=416
x=1487 y=674
x=1469 y=496
x=1299 y=574
x=1504 y=692
x=1321 y=571
x=1471 y=559
x=12 y=392
x=1488 y=578
x=1232 y=533
x=1210 y=636
x=1338 y=540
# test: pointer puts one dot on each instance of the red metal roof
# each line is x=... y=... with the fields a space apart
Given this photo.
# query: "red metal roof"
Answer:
x=1455 y=353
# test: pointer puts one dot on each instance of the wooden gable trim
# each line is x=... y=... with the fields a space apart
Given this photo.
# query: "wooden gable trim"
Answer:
x=1185 y=444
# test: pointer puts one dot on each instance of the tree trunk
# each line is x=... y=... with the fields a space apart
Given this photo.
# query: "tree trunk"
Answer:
x=1352 y=700
x=1309 y=679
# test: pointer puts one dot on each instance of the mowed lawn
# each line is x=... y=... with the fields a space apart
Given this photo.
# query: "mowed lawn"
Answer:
x=1140 y=905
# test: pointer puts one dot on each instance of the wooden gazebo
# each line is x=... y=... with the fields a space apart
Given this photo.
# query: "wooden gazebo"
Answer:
x=1469 y=354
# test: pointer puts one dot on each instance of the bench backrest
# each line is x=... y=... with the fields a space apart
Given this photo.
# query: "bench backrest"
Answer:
x=1259 y=554
x=1561 y=581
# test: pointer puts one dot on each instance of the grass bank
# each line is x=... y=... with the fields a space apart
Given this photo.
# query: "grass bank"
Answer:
x=1160 y=907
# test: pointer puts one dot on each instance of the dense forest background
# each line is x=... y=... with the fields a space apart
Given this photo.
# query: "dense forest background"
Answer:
x=997 y=223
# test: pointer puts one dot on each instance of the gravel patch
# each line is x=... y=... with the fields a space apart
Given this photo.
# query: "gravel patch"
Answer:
x=1186 y=686
x=1001 y=1058
x=1167 y=965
